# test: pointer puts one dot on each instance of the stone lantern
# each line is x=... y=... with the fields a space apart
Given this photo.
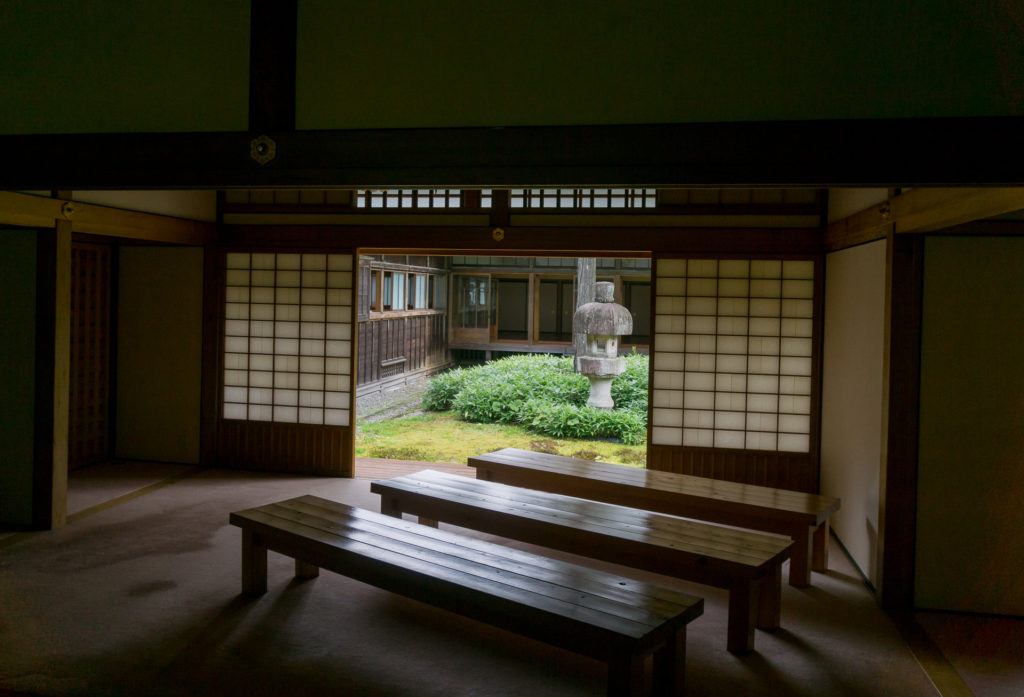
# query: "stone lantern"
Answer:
x=603 y=321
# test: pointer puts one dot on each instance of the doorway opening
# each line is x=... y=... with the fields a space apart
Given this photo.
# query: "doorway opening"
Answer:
x=460 y=355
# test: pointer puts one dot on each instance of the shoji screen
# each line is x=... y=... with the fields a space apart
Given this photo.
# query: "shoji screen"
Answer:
x=733 y=366
x=287 y=360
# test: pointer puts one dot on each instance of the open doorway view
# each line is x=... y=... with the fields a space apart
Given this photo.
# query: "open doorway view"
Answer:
x=462 y=355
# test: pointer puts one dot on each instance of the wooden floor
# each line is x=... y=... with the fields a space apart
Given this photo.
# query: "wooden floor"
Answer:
x=379 y=468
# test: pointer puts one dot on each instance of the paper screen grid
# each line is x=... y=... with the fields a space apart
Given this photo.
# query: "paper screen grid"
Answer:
x=733 y=354
x=288 y=338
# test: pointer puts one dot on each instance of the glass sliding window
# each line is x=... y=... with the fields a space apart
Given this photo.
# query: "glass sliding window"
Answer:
x=375 y=290
x=473 y=309
x=637 y=298
x=388 y=291
x=733 y=354
x=512 y=308
x=556 y=307
x=287 y=343
x=418 y=291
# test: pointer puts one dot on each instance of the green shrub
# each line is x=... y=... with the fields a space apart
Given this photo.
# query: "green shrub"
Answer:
x=629 y=390
x=545 y=395
x=443 y=388
x=571 y=421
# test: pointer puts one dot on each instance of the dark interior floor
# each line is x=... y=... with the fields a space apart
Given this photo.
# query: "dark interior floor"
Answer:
x=142 y=598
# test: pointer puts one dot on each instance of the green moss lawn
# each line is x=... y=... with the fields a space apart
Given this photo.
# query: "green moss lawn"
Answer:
x=441 y=437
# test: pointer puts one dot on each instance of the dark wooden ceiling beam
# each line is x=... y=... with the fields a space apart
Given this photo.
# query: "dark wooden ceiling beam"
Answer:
x=983 y=151
x=599 y=241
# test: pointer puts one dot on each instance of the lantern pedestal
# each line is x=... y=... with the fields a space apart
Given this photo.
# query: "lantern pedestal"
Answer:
x=601 y=372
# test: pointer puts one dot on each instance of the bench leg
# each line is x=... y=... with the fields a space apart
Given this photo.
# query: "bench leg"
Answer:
x=800 y=559
x=429 y=522
x=769 y=599
x=626 y=676
x=306 y=570
x=742 y=616
x=254 y=564
x=819 y=553
x=389 y=506
x=670 y=666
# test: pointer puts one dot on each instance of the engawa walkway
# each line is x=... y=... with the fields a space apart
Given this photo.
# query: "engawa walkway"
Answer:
x=379 y=468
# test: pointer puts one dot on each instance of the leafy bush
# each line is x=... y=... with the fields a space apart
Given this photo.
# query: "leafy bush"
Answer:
x=629 y=390
x=443 y=388
x=545 y=395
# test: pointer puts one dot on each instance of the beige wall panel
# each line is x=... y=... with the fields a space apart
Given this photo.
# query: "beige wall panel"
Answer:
x=970 y=550
x=193 y=205
x=102 y=66
x=851 y=419
x=843 y=203
x=488 y=63
x=159 y=353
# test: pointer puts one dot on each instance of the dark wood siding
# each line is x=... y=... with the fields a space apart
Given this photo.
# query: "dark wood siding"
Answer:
x=797 y=471
x=285 y=447
x=392 y=346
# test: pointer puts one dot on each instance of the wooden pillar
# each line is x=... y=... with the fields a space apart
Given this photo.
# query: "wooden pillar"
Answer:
x=213 y=300
x=52 y=375
x=586 y=277
x=897 y=515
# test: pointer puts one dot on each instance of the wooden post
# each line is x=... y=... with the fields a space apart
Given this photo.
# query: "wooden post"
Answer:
x=897 y=515
x=626 y=676
x=742 y=616
x=306 y=570
x=254 y=564
x=819 y=548
x=670 y=666
x=769 y=599
x=586 y=277
x=52 y=375
x=800 y=559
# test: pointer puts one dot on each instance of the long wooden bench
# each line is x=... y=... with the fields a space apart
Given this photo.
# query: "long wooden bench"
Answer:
x=616 y=620
x=803 y=517
x=747 y=563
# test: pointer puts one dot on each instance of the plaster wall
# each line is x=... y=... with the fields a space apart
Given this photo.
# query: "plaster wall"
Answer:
x=159 y=354
x=845 y=202
x=102 y=66
x=532 y=62
x=851 y=423
x=970 y=550
x=193 y=205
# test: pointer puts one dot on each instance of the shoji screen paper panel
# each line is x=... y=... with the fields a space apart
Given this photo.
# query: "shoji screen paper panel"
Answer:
x=288 y=354
x=732 y=369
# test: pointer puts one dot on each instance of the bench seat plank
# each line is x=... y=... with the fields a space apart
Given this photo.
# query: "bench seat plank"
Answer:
x=621 y=588
x=733 y=550
x=463 y=561
x=796 y=514
x=583 y=610
x=738 y=560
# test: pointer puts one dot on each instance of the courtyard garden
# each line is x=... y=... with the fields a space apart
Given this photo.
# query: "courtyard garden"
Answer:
x=536 y=402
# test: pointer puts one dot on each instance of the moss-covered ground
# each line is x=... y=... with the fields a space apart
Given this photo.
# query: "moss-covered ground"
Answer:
x=441 y=437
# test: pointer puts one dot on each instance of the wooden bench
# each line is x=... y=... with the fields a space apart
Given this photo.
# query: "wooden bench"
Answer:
x=616 y=620
x=803 y=517
x=747 y=563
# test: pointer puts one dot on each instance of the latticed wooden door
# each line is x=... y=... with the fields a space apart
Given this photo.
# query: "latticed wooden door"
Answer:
x=89 y=422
